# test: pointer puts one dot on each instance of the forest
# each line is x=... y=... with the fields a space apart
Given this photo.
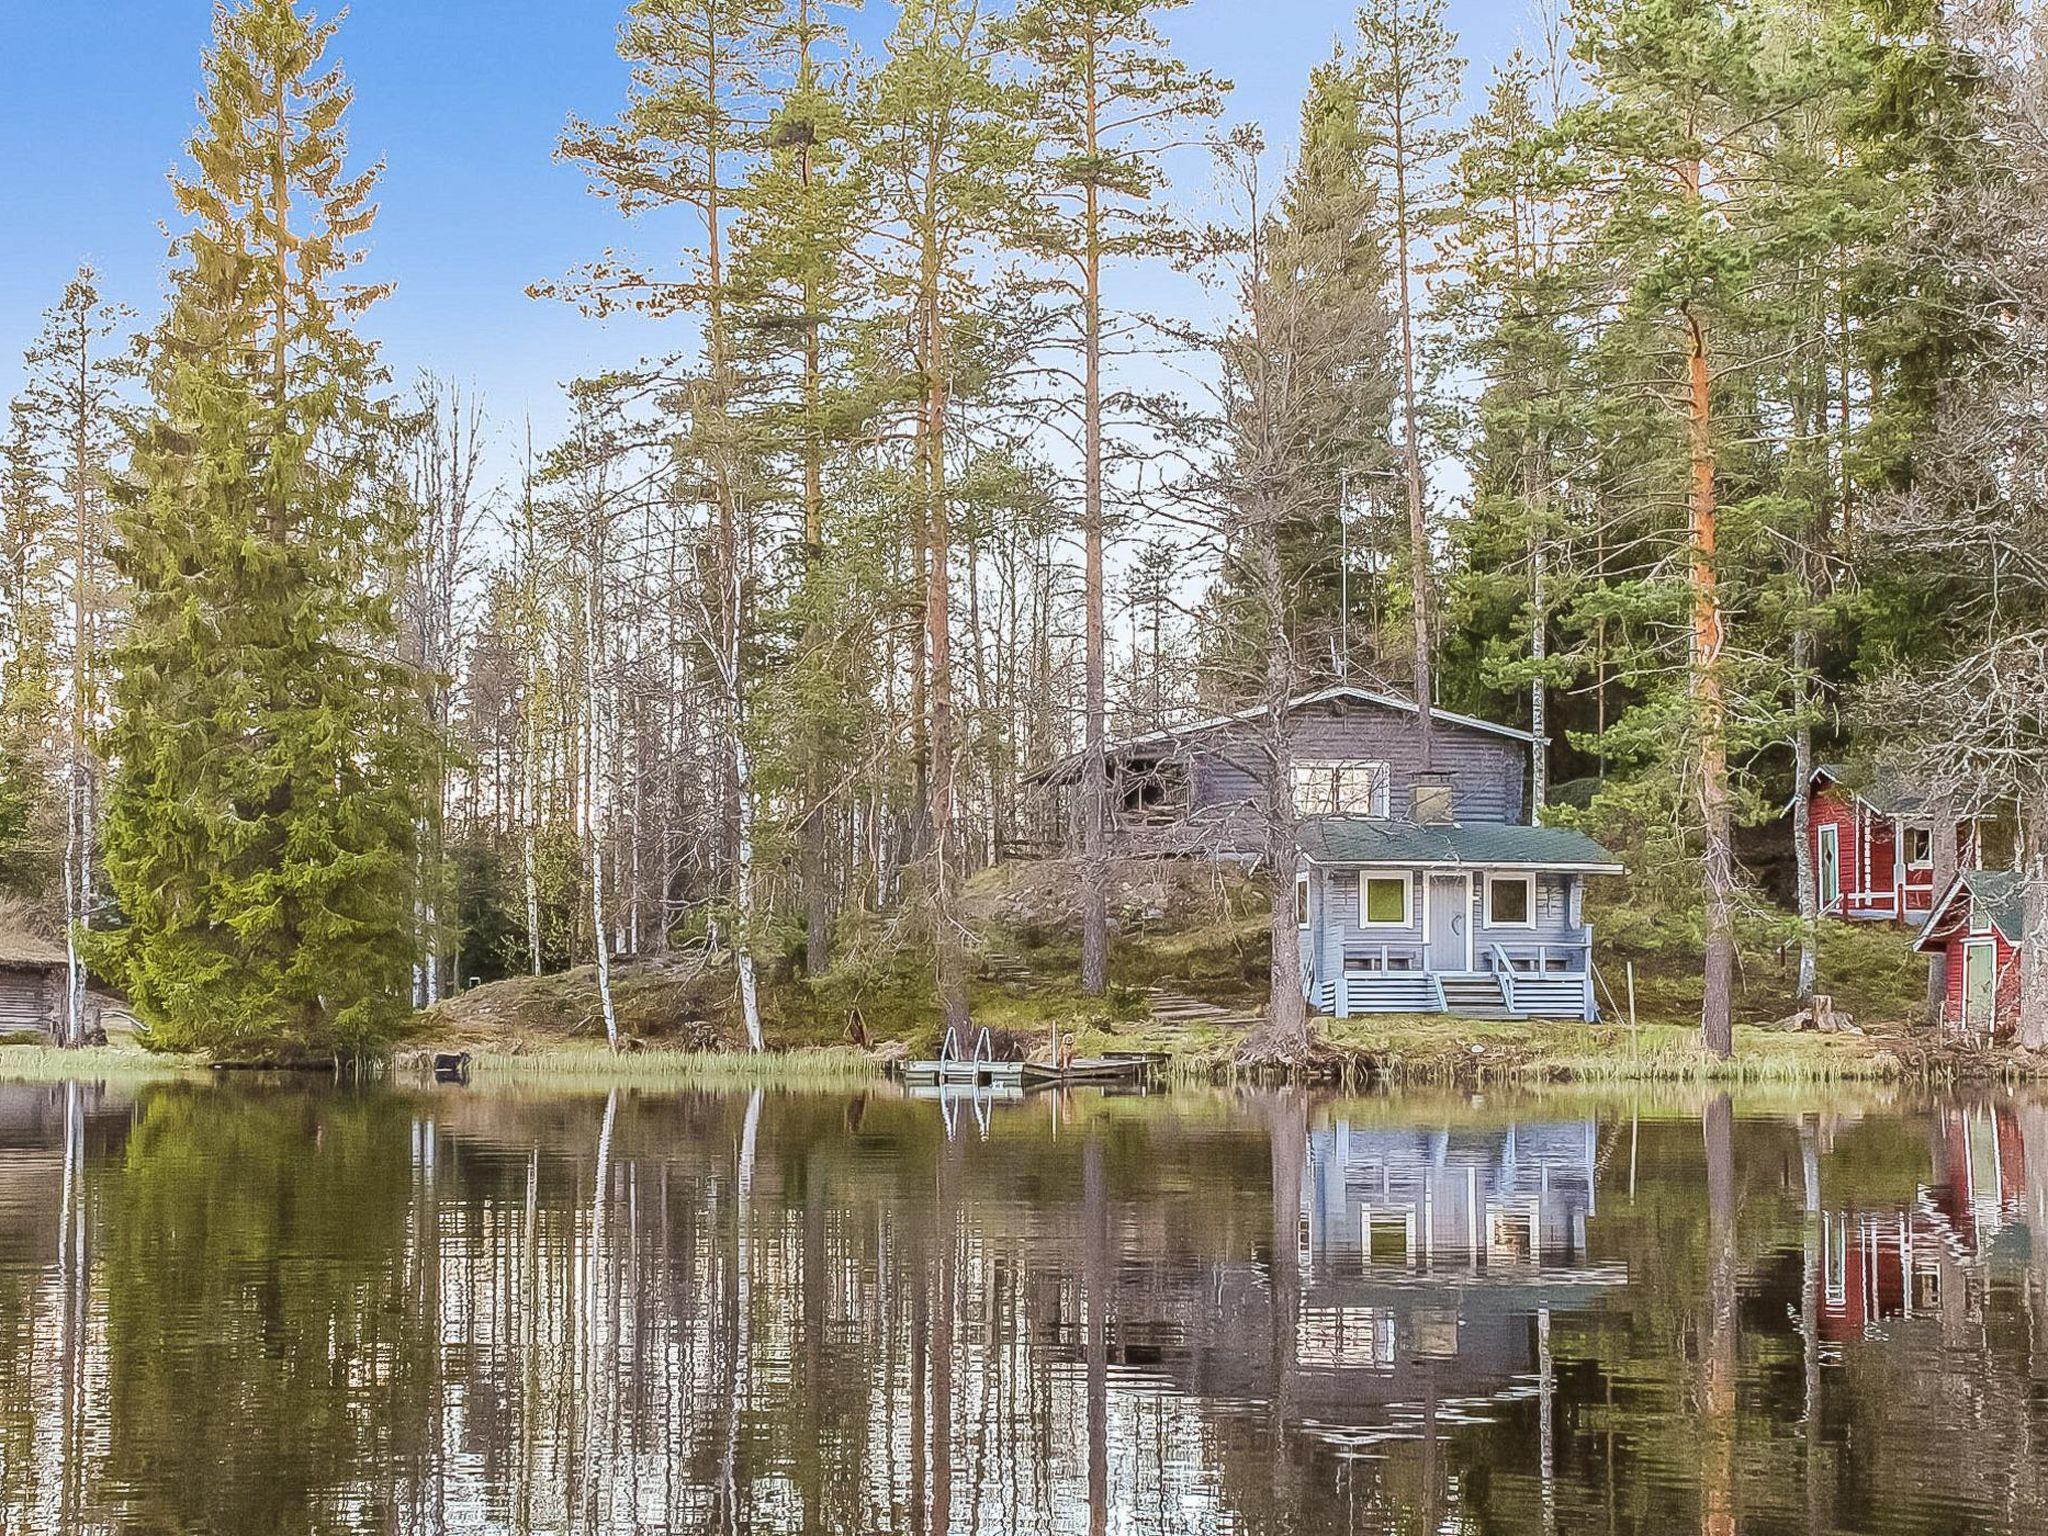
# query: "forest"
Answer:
x=1677 y=395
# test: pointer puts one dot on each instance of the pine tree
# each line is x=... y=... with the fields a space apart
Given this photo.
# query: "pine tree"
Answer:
x=1106 y=95
x=947 y=151
x=267 y=744
x=1407 y=78
x=693 y=126
x=803 y=210
x=30 y=575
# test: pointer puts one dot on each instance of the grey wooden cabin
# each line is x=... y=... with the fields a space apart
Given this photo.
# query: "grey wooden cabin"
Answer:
x=1201 y=788
x=31 y=984
x=1415 y=893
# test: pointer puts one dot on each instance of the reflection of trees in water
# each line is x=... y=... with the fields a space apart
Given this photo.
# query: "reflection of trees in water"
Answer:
x=312 y=1311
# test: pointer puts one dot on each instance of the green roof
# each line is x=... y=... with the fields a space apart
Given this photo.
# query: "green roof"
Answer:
x=2001 y=895
x=1354 y=840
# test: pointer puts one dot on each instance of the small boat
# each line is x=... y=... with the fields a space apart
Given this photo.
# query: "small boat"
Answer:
x=1114 y=1069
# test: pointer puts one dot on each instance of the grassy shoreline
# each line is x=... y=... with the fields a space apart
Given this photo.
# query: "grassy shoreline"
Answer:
x=1396 y=1052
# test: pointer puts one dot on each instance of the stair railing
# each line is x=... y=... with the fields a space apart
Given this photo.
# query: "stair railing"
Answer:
x=1504 y=969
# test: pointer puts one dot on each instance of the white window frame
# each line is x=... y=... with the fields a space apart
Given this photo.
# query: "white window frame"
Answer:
x=1304 y=914
x=1320 y=787
x=1365 y=923
x=1980 y=919
x=1906 y=846
x=1528 y=881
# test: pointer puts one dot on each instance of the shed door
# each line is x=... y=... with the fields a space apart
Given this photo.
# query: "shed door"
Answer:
x=1830 y=866
x=1980 y=986
x=1450 y=922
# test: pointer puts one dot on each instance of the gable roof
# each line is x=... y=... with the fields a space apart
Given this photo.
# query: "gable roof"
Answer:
x=22 y=950
x=1345 y=840
x=2000 y=894
x=1893 y=798
x=1347 y=693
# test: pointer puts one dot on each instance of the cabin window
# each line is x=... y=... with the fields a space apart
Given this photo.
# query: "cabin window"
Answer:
x=1342 y=788
x=1511 y=901
x=1919 y=848
x=1301 y=901
x=1383 y=901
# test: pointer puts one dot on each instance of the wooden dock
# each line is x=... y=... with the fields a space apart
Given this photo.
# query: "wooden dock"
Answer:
x=981 y=1071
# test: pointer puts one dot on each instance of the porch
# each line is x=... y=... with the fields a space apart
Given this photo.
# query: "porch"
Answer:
x=1475 y=921
x=1520 y=981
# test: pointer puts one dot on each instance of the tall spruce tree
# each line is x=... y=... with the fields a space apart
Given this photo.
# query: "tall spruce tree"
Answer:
x=266 y=745
x=1512 y=311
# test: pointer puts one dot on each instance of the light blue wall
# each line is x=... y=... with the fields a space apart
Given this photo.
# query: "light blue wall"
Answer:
x=1335 y=928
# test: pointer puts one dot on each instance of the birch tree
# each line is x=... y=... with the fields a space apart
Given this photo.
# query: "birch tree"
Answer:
x=73 y=400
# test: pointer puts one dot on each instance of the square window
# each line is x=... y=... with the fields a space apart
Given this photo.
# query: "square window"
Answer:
x=1386 y=901
x=1511 y=901
x=1919 y=847
x=1341 y=788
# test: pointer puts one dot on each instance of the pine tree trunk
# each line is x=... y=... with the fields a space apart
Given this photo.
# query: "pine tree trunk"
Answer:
x=1802 y=818
x=1095 y=771
x=1536 y=493
x=949 y=961
x=1717 y=813
x=816 y=825
x=594 y=766
x=1421 y=559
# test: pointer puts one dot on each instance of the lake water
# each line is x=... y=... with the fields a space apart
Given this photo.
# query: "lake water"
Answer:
x=247 y=1309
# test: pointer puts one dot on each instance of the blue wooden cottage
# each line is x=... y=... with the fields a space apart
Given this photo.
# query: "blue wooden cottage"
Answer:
x=1476 y=918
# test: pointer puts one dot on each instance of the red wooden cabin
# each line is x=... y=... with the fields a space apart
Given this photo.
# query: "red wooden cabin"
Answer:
x=1977 y=924
x=1873 y=850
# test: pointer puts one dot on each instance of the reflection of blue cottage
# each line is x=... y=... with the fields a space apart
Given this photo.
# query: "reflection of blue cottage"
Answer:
x=1498 y=1202
x=1434 y=1259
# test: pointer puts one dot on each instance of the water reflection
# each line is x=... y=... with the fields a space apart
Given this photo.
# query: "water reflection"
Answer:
x=231 y=1309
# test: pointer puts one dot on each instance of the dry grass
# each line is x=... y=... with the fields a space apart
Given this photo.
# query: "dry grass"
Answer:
x=107 y=1063
x=820 y=1069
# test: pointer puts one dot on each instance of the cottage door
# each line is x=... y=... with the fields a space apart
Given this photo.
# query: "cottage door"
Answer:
x=1450 y=923
x=1830 y=867
x=1980 y=986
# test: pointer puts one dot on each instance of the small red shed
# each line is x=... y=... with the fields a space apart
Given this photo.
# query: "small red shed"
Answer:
x=1873 y=849
x=1978 y=924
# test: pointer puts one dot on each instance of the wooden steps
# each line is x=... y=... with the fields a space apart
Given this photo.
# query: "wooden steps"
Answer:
x=1177 y=1008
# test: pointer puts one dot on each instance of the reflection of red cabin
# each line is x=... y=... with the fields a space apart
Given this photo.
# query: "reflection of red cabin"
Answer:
x=1873 y=850
x=1882 y=1265
x=1978 y=924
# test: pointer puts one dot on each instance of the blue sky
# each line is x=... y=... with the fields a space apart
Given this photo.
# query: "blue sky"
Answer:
x=463 y=99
